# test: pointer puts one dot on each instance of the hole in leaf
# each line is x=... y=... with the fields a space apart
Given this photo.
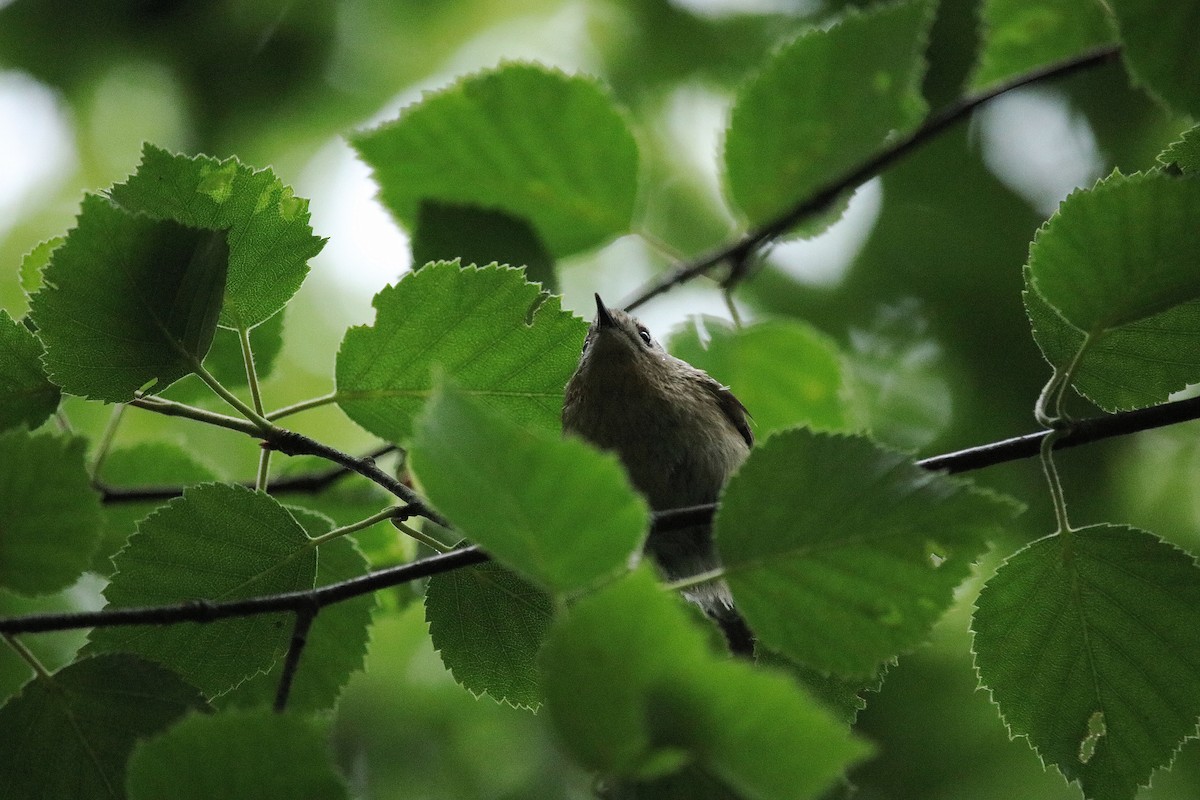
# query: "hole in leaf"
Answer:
x=1096 y=730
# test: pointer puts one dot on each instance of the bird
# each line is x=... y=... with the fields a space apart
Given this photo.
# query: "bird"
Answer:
x=679 y=434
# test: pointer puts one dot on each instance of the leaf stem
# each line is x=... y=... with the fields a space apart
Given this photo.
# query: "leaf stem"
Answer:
x=26 y=655
x=106 y=439
x=388 y=513
x=229 y=397
x=303 y=405
x=422 y=537
x=264 y=457
x=1055 y=483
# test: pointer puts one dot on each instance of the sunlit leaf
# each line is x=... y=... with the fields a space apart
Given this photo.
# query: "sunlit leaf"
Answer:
x=526 y=140
x=822 y=104
x=841 y=554
x=784 y=372
x=1089 y=645
x=489 y=330
x=554 y=510
x=1020 y=36
x=270 y=239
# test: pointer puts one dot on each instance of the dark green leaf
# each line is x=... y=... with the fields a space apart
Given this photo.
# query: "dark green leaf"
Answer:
x=784 y=372
x=1020 y=36
x=217 y=542
x=1113 y=274
x=245 y=754
x=489 y=330
x=523 y=139
x=49 y=514
x=1158 y=40
x=446 y=232
x=841 y=554
x=1089 y=644
x=140 y=465
x=337 y=640
x=270 y=239
x=489 y=624
x=226 y=363
x=635 y=691
x=823 y=103
x=69 y=735
x=128 y=301
x=555 y=510
x=26 y=397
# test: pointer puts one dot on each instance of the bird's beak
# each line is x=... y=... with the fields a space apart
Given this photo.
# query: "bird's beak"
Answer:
x=604 y=318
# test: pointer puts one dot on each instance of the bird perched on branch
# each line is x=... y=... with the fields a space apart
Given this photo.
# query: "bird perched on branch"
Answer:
x=680 y=435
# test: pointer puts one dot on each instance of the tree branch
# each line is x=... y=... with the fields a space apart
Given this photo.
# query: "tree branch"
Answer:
x=304 y=483
x=304 y=620
x=737 y=253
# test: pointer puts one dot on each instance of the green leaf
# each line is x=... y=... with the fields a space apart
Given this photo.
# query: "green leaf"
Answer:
x=256 y=754
x=822 y=104
x=128 y=301
x=635 y=692
x=69 y=735
x=1130 y=367
x=1020 y=36
x=337 y=640
x=1158 y=39
x=523 y=139
x=1113 y=273
x=1089 y=645
x=488 y=624
x=217 y=542
x=26 y=396
x=141 y=464
x=49 y=513
x=842 y=555
x=554 y=510
x=225 y=361
x=35 y=261
x=446 y=232
x=489 y=330
x=1184 y=154
x=785 y=372
x=842 y=696
x=270 y=239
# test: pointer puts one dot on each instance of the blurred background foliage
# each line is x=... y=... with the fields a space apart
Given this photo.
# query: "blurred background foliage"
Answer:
x=919 y=284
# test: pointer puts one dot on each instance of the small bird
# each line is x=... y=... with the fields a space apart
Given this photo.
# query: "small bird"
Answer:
x=679 y=433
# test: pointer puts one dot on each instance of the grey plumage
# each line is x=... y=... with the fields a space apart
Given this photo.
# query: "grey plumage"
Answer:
x=679 y=433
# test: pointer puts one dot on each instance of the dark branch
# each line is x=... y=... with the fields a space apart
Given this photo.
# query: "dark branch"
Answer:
x=204 y=611
x=309 y=483
x=304 y=621
x=739 y=252
x=1082 y=432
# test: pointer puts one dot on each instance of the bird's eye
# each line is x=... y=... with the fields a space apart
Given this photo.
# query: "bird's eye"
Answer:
x=645 y=334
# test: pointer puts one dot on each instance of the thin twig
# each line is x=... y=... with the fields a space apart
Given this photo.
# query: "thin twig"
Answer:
x=304 y=620
x=303 y=483
x=739 y=252
x=204 y=611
